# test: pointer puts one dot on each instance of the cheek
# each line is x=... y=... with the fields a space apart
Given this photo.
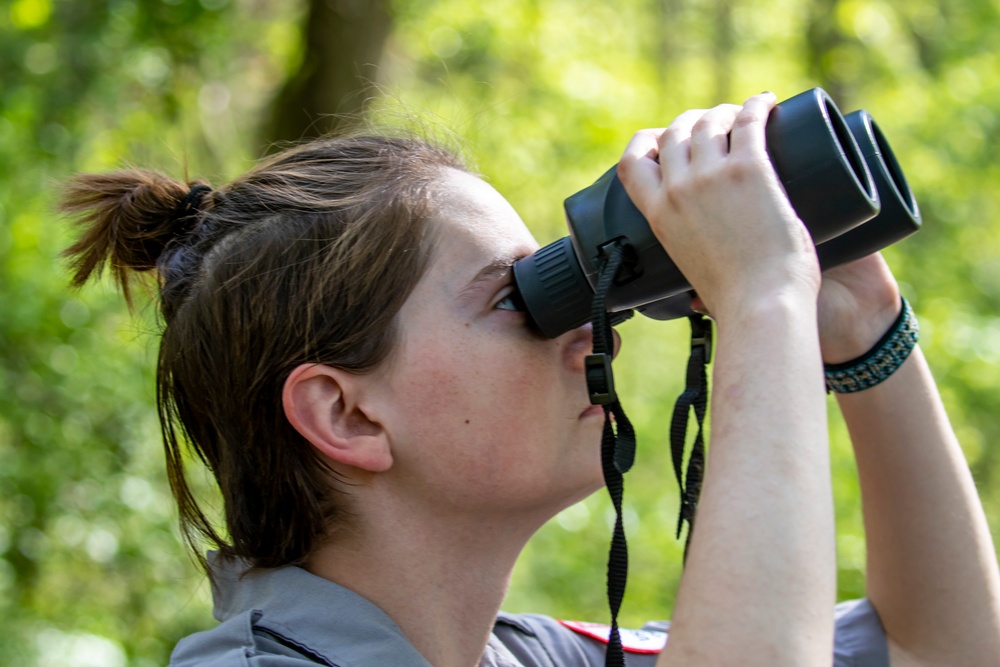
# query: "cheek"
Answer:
x=464 y=387
x=482 y=407
x=493 y=421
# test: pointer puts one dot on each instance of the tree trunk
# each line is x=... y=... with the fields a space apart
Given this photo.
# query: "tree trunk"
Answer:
x=344 y=41
x=823 y=38
x=723 y=43
x=669 y=49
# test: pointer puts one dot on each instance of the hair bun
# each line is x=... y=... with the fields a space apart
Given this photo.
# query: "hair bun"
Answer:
x=187 y=211
x=127 y=218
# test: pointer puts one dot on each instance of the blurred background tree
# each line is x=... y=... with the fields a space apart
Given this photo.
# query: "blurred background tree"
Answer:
x=342 y=47
x=543 y=95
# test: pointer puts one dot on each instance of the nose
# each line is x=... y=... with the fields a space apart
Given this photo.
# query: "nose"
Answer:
x=581 y=343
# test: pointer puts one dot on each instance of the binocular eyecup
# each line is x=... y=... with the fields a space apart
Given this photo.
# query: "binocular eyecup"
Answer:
x=840 y=176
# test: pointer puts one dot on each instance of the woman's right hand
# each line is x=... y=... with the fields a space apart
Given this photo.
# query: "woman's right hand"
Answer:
x=712 y=198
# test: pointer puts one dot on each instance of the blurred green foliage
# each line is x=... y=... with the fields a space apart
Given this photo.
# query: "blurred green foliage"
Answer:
x=543 y=95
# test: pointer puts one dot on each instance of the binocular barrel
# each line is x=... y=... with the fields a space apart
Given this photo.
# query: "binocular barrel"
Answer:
x=840 y=176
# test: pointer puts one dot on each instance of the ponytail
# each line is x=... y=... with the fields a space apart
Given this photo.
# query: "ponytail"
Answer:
x=128 y=218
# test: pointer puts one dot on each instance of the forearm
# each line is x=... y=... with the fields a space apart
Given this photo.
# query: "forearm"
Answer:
x=760 y=578
x=932 y=569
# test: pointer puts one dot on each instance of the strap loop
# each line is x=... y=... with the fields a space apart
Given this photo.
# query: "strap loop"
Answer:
x=694 y=397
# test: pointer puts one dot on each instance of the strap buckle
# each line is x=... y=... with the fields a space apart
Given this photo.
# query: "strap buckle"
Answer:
x=701 y=335
x=600 y=379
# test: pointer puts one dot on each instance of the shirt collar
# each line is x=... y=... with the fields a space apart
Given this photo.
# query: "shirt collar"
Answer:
x=329 y=620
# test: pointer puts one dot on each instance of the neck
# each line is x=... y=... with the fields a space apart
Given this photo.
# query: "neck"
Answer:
x=441 y=579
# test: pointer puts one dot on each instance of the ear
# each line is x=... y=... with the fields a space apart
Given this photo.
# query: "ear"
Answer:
x=322 y=404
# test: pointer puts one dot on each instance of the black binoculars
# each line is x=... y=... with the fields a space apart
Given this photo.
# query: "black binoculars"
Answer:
x=841 y=178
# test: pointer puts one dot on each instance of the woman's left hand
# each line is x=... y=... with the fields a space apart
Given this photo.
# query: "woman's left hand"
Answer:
x=858 y=302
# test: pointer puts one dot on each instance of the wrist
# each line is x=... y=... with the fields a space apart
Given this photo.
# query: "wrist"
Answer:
x=789 y=301
x=880 y=361
x=861 y=336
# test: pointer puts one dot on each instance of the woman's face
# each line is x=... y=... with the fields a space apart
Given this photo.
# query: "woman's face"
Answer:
x=488 y=415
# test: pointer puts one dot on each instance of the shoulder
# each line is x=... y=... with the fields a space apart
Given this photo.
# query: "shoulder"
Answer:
x=541 y=641
x=288 y=617
x=237 y=642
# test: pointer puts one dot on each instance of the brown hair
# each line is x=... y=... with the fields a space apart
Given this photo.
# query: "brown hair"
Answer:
x=306 y=258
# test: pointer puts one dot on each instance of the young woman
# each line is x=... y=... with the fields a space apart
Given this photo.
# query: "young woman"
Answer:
x=343 y=349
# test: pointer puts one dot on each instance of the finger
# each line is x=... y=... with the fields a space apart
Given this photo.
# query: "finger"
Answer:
x=710 y=134
x=748 y=126
x=638 y=168
x=698 y=306
x=675 y=143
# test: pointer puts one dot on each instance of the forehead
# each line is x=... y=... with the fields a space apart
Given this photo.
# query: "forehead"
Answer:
x=474 y=226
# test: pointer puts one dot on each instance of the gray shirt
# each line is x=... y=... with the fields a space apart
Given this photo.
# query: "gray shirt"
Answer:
x=287 y=617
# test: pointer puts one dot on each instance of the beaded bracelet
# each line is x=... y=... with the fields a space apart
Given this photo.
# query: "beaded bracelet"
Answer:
x=878 y=363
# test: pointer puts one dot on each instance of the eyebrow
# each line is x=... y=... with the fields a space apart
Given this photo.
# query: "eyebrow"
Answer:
x=492 y=271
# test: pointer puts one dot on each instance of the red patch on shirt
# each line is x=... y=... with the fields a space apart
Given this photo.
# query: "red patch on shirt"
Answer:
x=633 y=641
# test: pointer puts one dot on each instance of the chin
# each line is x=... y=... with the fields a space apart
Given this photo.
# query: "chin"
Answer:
x=569 y=501
x=586 y=489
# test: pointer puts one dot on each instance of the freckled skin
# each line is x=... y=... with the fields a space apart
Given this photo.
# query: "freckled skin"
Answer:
x=524 y=446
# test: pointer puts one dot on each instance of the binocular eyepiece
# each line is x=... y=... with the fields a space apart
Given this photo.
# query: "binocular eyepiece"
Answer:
x=841 y=178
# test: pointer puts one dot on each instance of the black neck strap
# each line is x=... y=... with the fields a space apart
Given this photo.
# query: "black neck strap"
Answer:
x=617 y=442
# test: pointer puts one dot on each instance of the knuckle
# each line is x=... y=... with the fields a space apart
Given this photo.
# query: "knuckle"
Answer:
x=625 y=169
x=703 y=123
x=748 y=171
x=642 y=136
x=719 y=116
x=684 y=121
x=673 y=132
x=622 y=168
x=748 y=117
x=704 y=181
x=677 y=196
x=724 y=111
x=741 y=169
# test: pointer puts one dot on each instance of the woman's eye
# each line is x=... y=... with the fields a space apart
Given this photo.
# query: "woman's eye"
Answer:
x=512 y=301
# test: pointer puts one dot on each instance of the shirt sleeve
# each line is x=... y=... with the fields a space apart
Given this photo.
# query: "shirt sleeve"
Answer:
x=540 y=641
x=859 y=639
